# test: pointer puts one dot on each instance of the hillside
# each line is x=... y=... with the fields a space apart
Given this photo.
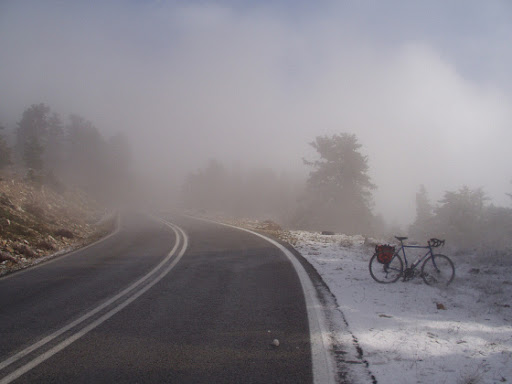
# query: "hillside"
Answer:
x=41 y=220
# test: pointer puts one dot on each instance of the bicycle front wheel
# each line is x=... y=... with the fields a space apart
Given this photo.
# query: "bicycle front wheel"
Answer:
x=386 y=273
x=438 y=270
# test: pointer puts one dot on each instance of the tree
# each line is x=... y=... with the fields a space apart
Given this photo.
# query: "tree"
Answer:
x=120 y=154
x=461 y=216
x=339 y=189
x=424 y=209
x=31 y=135
x=5 y=152
x=86 y=155
x=33 y=154
x=119 y=165
x=53 y=153
x=207 y=189
x=424 y=214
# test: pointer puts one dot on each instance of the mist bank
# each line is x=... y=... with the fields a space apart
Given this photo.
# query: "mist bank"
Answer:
x=426 y=91
x=338 y=196
x=57 y=153
x=335 y=190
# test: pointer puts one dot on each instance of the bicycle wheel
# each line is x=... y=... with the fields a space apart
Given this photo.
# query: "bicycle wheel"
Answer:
x=386 y=273
x=438 y=270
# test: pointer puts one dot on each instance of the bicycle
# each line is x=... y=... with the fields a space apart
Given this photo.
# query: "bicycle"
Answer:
x=436 y=270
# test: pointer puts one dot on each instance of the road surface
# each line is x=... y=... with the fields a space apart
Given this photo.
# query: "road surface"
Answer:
x=194 y=302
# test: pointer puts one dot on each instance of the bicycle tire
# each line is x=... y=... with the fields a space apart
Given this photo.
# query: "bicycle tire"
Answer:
x=438 y=271
x=386 y=273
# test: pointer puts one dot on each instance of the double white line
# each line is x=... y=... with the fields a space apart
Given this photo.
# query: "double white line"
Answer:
x=123 y=299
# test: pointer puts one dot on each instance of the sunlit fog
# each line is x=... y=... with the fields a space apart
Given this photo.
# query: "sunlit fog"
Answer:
x=219 y=101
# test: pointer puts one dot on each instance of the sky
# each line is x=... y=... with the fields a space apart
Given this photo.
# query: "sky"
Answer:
x=425 y=86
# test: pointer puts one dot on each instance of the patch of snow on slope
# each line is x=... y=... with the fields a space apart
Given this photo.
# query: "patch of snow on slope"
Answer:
x=411 y=332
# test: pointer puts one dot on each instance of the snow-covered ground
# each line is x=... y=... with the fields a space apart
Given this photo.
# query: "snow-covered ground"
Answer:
x=413 y=333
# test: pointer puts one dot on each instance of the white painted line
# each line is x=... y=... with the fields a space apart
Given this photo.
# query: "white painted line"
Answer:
x=94 y=311
x=322 y=360
x=38 y=360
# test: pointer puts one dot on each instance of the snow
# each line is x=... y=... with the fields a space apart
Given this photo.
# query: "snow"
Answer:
x=413 y=333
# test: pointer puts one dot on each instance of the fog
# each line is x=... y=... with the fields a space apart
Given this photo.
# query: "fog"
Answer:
x=426 y=88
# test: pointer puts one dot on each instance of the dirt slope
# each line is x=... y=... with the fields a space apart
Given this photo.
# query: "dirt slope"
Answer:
x=37 y=221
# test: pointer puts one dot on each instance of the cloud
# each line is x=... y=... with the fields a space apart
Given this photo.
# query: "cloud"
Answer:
x=253 y=86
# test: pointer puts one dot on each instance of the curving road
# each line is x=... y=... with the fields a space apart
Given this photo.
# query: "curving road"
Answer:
x=194 y=302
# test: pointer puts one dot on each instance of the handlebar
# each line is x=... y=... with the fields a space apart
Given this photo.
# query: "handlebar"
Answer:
x=434 y=243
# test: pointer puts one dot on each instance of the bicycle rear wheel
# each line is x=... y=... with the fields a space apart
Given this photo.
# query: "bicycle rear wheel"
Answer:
x=438 y=271
x=386 y=273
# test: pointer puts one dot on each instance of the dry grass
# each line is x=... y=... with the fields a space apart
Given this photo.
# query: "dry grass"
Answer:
x=33 y=219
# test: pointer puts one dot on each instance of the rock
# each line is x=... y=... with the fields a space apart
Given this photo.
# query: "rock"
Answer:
x=440 y=306
x=64 y=233
x=46 y=245
x=270 y=225
x=6 y=257
x=275 y=343
x=4 y=199
x=328 y=233
x=25 y=250
x=35 y=210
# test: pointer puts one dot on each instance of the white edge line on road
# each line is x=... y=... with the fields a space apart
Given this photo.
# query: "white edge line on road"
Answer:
x=322 y=360
x=38 y=360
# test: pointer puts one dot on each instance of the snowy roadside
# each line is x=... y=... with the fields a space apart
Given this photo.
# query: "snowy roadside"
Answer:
x=413 y=333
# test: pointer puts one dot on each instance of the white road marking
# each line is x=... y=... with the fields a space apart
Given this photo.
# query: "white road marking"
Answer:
x=46 y=355
x=322 y=360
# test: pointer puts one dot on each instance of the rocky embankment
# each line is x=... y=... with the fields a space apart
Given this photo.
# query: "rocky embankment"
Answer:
x=38 y=222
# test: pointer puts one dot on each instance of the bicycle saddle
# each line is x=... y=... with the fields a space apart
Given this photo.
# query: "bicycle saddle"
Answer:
x=399 y=238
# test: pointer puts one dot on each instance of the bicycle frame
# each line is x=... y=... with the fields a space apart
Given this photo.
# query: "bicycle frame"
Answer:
x=417 y=262
x=437 y=269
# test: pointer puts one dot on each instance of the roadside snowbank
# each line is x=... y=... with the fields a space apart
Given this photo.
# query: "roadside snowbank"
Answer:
x=413 y=333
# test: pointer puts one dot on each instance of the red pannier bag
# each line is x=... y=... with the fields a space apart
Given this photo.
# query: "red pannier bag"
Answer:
x=384 y=253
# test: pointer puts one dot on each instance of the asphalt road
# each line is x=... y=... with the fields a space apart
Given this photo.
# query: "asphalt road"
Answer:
x=152 y=305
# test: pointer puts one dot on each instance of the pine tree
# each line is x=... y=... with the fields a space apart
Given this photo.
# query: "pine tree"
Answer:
x=461 y=215
x=339 y=189
x=424 y=214
x=31 y=135
x=54 y=148
x=33 y=154
x=5 y=152
x=86 y=157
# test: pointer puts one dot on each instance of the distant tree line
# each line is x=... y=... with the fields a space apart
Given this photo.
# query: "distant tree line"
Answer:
x=61 y=152
x=337 y=196
x=466 y=219
x=258 y=193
